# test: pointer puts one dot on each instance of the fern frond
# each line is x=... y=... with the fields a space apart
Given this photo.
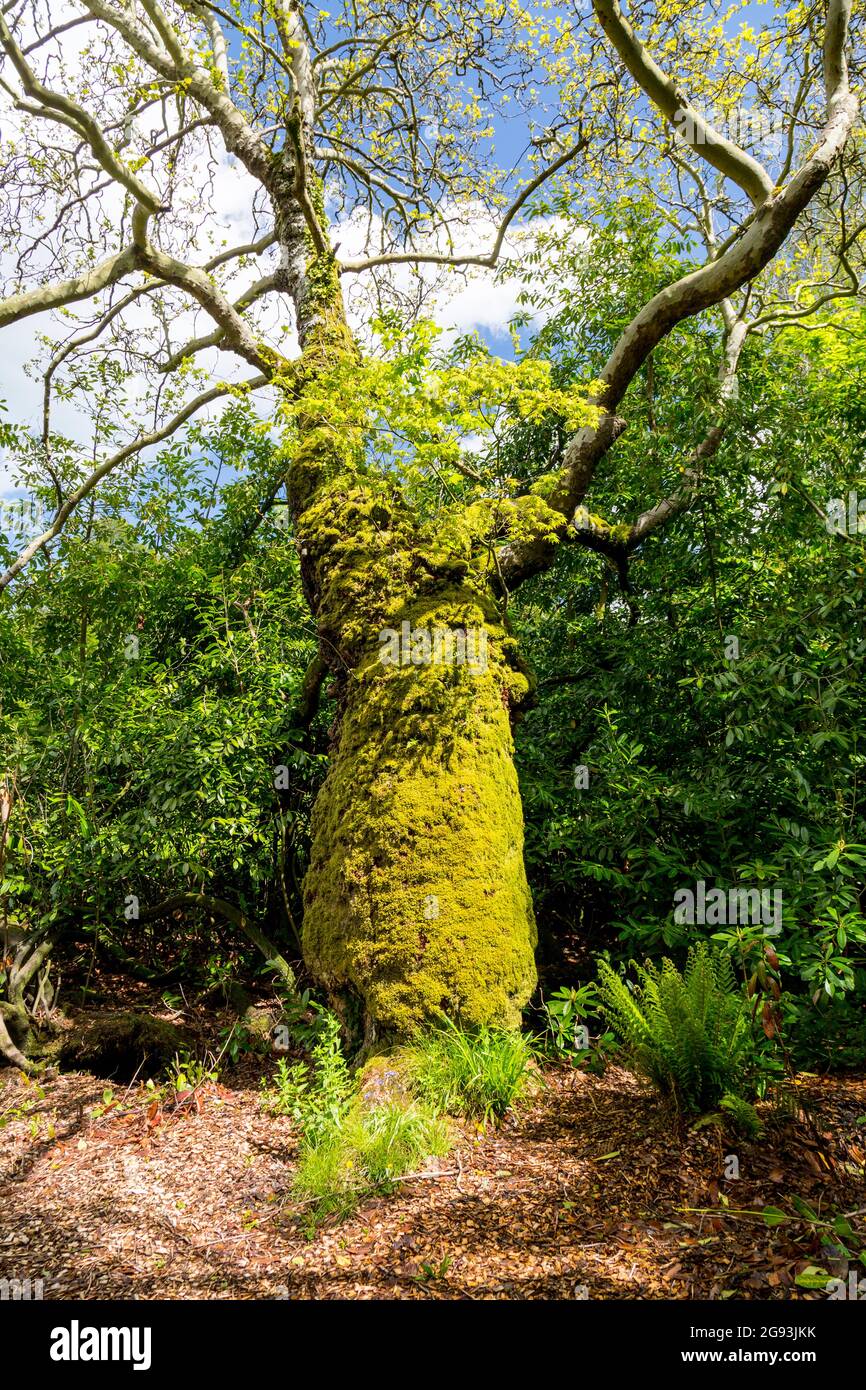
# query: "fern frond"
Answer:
x=688 y=1032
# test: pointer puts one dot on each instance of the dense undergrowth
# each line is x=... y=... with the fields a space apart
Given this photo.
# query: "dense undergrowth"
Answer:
x=697 y=731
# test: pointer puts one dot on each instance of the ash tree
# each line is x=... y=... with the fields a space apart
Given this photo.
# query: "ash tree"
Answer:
x=128 y=131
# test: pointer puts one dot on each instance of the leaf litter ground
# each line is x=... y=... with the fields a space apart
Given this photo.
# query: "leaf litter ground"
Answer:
x=589 y=1190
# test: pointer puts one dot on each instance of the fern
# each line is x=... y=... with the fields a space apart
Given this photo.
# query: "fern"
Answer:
x=689 y=1033
x=743 y=1116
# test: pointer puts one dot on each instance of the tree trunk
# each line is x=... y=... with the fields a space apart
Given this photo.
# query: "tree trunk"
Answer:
x=416 y=899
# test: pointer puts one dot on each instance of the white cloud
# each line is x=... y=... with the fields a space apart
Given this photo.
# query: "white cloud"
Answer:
x=460 y=301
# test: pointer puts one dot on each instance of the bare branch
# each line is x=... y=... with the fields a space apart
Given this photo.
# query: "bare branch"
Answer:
x=490 y=258
x=712 y=283
x=55 y=106
x=679 y=500
x=93 y=332
x=263 y=286
x=239 y=136
x=235 y=333
x=217 y=43
x=716 y=281
x=107 y=272
x=693 y=128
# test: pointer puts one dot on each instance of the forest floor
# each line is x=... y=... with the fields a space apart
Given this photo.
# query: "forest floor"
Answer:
x=591 y=1189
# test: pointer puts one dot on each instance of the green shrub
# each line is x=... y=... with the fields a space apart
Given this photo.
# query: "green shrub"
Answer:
x=187 y=1073
x=829 y=1033
x=689 y=1033
x=564 y=1013
x=318 y=1098
x=478 y=1074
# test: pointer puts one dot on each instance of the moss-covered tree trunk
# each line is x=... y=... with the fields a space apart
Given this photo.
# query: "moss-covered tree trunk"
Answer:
x=416 y=899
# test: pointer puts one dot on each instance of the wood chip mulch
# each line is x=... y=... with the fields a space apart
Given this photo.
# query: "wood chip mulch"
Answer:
x=591 y=1190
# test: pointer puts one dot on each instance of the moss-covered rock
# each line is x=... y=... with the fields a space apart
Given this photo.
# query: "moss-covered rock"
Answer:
x=259 y=1023
x=121 y=1045
x=384 y=1081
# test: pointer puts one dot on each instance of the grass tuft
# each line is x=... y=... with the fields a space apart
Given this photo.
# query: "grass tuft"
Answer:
x=367 y=1153
x=479 y=1074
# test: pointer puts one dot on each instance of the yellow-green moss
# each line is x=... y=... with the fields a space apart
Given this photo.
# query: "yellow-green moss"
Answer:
x=416 y=899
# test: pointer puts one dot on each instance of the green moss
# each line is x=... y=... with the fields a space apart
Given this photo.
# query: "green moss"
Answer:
x=416 y=897
x=614 y=534
x=121 y=1045
x=321 y=454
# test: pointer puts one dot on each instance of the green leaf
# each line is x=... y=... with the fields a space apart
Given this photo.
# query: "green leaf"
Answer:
x=812 y=1277
x=774 y=1217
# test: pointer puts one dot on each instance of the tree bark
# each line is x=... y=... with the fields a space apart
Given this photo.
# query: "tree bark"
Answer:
x=416 y=899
